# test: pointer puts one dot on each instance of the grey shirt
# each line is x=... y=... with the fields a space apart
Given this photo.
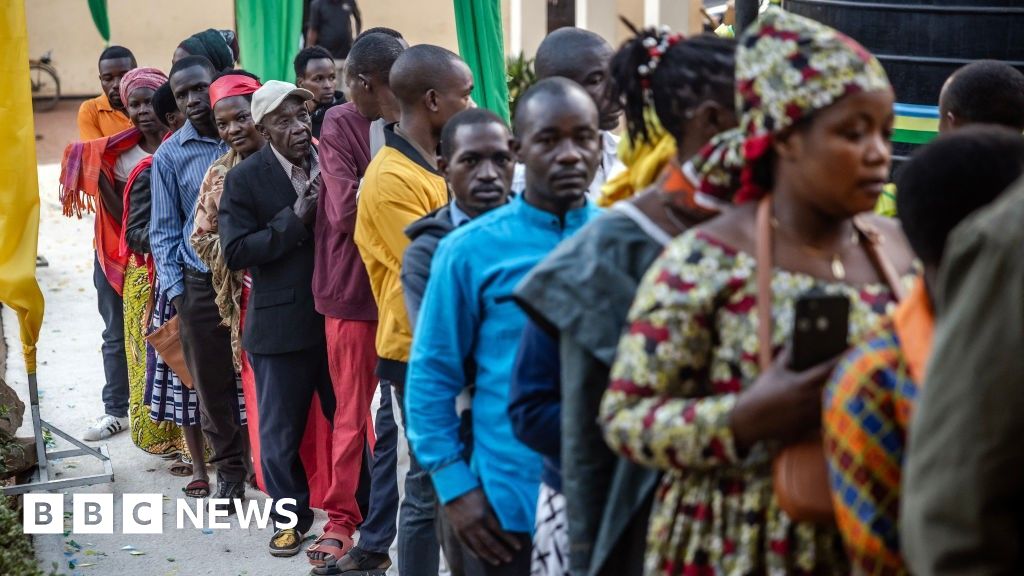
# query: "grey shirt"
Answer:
x=963 y=503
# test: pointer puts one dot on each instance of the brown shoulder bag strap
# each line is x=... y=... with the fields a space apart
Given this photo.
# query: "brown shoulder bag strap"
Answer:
x=763 y=254
x=872 y=239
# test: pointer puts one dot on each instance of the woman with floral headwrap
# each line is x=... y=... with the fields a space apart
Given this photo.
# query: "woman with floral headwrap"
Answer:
x=688 y=392
x=94 y=177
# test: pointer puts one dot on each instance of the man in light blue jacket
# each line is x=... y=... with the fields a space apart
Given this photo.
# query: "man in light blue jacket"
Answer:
x=469 y=329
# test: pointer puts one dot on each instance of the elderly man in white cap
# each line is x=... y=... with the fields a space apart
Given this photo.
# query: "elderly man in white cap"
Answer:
x=266 y=218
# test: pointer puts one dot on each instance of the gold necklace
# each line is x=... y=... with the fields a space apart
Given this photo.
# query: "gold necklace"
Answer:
x=838 y=269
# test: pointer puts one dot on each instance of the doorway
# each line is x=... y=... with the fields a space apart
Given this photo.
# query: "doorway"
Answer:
x=561 y=13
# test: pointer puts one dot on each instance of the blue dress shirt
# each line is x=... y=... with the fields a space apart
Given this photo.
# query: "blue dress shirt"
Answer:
x=468 y=314
x=179 y=166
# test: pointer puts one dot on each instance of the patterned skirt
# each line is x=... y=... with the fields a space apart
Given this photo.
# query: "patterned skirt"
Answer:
x=551 y=535
x=169 y=400
x=153 y=437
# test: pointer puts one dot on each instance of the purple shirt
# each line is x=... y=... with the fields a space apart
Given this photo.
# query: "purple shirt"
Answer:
x=341 y=287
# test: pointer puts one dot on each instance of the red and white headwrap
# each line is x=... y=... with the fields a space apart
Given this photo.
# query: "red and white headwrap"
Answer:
x=140 y=78
x=232 y=85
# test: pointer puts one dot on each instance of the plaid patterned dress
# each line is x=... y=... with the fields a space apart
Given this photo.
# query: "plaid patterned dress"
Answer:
x=690 y=349
x=866 y=416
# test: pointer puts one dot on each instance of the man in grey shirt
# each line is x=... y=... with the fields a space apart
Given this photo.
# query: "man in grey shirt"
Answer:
x=963 y=507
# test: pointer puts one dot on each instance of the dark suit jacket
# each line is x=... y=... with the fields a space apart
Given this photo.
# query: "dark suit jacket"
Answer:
x=260 y=232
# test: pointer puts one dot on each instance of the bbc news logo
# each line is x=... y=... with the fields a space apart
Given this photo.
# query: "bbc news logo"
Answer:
x=144 y=513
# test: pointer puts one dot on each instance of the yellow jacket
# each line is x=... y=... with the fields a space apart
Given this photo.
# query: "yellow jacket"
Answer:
x=399 y=188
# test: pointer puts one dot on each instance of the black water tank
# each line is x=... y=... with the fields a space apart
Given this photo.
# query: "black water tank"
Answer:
x=921 y=42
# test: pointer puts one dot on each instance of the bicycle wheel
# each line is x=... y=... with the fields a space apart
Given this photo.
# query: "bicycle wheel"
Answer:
x=45 y=87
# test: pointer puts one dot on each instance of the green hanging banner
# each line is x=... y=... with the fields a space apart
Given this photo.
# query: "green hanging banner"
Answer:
x=482 y=46
x=268 y=37
x=98 y=9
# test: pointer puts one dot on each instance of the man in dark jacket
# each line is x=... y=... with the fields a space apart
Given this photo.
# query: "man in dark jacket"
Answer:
x=477 y=163
x=266 y=222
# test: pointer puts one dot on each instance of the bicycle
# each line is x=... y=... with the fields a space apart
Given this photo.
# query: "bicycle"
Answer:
x=45 y=83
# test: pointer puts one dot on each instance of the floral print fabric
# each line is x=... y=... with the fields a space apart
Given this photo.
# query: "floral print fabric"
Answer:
x=690 y=349
x=787 y=67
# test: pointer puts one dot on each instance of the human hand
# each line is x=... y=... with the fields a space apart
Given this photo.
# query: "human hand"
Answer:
x=781 y=404
x=305 y=207
x=477 y=527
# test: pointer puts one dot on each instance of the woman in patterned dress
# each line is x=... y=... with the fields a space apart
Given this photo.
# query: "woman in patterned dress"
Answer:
x=687 y=394
x=138 y=89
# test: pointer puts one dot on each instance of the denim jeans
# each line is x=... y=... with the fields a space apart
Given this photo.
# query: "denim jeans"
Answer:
x=378 y=529
x=115 y=362
x=418 y=547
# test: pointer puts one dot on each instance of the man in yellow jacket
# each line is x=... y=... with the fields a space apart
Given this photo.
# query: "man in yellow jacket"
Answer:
x=402 y=184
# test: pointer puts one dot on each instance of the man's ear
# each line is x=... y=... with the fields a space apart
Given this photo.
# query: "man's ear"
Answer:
x=263 y=131
x=430 y=99
x=515 y=146
x=952 y=120
x=442 y=166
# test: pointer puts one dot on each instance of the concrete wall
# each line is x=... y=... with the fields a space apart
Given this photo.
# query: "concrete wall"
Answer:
x=152 y=31
x=148 y=27
x=423 y=21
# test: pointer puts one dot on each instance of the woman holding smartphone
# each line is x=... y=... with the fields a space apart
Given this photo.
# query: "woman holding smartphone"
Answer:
x=688 y=395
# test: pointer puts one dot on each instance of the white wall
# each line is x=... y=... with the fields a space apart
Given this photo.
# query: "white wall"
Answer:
x=149 y=28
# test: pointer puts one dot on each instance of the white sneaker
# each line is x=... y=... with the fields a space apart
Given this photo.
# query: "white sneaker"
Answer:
x=106 y=427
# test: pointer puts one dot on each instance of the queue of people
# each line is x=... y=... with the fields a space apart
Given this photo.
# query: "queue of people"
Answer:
x=584 y=391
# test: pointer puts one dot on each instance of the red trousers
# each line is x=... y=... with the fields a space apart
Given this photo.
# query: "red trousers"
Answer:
x=352 y=358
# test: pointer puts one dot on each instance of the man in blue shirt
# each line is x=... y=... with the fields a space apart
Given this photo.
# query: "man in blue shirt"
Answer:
x=469 y=327
x=179 y=166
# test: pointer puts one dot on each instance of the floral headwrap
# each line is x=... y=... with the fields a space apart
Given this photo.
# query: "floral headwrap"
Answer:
x=787 y=68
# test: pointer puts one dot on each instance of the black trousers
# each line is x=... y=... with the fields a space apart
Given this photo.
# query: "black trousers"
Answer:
x=284 y=389
x=115 y=363
x=207 y=348
x=519 y=566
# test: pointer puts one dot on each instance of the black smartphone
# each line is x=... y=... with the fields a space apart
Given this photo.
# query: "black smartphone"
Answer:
x=821 y=324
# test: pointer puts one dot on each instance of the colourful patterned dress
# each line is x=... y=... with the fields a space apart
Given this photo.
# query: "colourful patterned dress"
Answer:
x=690 y=349
x=153 y=437
x=866 y=417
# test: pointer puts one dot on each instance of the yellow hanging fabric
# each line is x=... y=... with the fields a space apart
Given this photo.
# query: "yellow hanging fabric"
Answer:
x=19 y=186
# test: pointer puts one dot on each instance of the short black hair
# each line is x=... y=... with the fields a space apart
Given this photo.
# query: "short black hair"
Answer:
x=950 y=178
x=691 y=71
x=420 y=68
x=192 y=62
x=309 y=53
x=471 y=117
x=555 y=86
x=117 y=52
x=164 y=103
x=987 y=92
x=379 y=30
x=374 y=54
x=559 y=52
